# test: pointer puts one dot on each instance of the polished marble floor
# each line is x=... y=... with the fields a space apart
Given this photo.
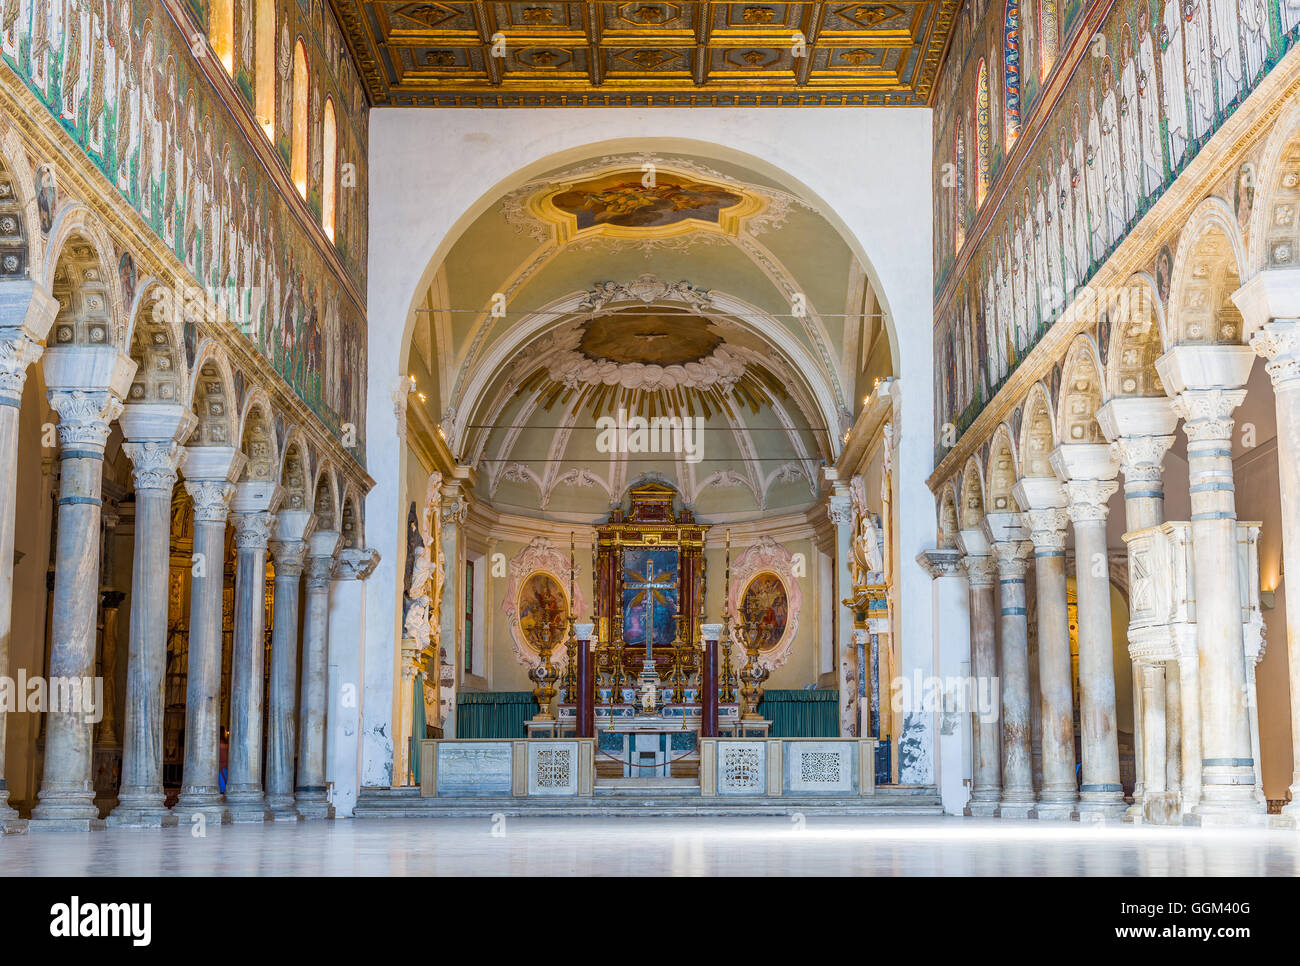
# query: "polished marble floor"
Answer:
x=632 y=846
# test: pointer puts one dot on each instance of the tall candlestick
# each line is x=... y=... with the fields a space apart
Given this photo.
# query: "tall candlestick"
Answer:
x=595 y=581
x=726 y=589
x=572 y=603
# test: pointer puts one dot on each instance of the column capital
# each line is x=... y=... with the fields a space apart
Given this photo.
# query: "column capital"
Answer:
x=1012 y=557
x=85 y=417
x=155 y=463
x=355 y=564
x=252 y=529
x=941 y=562
x=289 y=556
x=1279 y=343
x=319 y=571
x=1142 y=457
x=1088 y=500
x=17 y=352
x=211 y=499
x=840 y=508
x=1137 y=416
x=1207 y=413
x=1047 y=527
x=980 y=570
x=1084 y=461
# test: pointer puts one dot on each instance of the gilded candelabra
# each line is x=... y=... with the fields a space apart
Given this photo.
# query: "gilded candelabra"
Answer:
x=677 y=676
x=752 y=675
x=618 y=673
x=728 y=695
x=570 y=681
x=544 y=674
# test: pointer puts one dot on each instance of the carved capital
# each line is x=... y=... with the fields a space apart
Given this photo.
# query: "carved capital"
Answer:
x=356 y=564
x=320 y=571
x=1207 y=413
x=211 y=499
x=85 y=417
x=1279 y=343
x=289 y=556
x=1012 y=557
x=1088 y=500
x=155 y=463
x=1047 y=527
x=840 y=510
x=253 y=530
x=941 y=563
x=454 y=510
x=981 y=571
x=17 y=353
x=1141 y=457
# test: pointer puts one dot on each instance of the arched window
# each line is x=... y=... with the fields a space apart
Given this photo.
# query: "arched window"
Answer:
x=221 y=32
x=1011 y=70
x=298 y=133
x=959 y=184
x=983 y=135
x=264 y=65
x=329 y=168
x=1047 y=42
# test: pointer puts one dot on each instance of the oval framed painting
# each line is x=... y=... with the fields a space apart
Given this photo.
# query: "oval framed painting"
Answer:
x=765 y=606
x=542 y=604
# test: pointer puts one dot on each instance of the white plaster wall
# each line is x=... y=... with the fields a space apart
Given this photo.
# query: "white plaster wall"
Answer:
x=433 y=171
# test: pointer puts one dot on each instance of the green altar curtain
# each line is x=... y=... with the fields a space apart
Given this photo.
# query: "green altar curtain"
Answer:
x=802 y=714
x=417 y=726
x=493 y=714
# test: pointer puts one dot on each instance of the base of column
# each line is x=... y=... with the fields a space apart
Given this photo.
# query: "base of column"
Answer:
x=141 y=809
x=1243 y=815
x=1102 y=807
x=246 y=805
x=1134 y=813
x=203 y=800
x=314 y=805
x=1057 y=811
x=282 y=808
x=1165 y=808
x=7 y=812
x=981 y=808
x=65 y=810
x=1017 y=810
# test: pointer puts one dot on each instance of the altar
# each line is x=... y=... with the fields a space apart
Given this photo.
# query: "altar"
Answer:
x=649 y=677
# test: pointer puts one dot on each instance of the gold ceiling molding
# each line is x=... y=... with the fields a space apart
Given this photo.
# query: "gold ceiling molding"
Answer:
x=607 y=53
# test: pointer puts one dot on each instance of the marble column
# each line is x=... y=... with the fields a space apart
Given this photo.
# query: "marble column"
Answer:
x=343 y=715
x=455 y=509
x=1141 y=429
x=1270 y=308
x=986 y=786
x=1046 y=520
x=1278 y=341
x=66 y=797
x=1087 y=471
x=840 y=511
x=281 y=717
x=25 y=317
x=154 y=434
x=1153 y=754
x=311 y=794
x=1011 y=556
x=245 y=801
x=208 y=474
x=952 y=658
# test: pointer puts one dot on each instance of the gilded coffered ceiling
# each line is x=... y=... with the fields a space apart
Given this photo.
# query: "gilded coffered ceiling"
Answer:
x=647 y=54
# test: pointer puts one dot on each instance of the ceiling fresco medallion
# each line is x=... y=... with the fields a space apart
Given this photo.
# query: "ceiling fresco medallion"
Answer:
x=659 y=338
x=654 y=204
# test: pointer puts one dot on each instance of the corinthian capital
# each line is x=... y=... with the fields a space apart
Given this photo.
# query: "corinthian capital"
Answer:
x=320 y=571
x=1207 y=413
x=289 y=556
x=1012 y=556
x=1047 y=527
x=211 y=499
x=252 y=530
x=85 y=417
x=17 y=353
x=1140 y=457
x=155 y=463
x=981 y=571
x=1279 y=343
x=1088 y=500
x=840 y=510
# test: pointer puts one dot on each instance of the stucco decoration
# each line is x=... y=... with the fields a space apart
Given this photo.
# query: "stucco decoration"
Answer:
x=766 y=559
x=540 y=558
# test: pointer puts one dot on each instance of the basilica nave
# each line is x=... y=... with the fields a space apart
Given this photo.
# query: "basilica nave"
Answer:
x=861 y=431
